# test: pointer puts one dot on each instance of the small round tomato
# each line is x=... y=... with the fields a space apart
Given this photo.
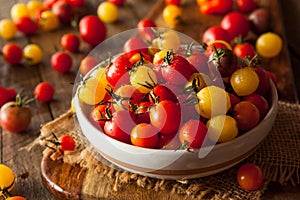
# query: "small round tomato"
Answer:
x=49 y=3
x=108 y=12
x=172 y=14
x=244 y=50
x=8 y=29
x=172 y=2
x=16 y=198
x=49 y=21
x=100 y=114
x=246 y=115
x=63 y=10
x=246 y=5
x=165 y=116
x=250 y=176
x=76 y=3
x=33 y=54
x=14 y=117
x=7 y=178
x=215 y=33
x=70 y=42
x=92 y=30
x=87 y=64
x=269 y=45
x=133 y=46
x=236 y=24
x=192 y=134
x=67 y=143
x=4 y=97
x=26 y=25
x=144 y=29
x=12 y=53
x=61 y=62
x=44 y=92
x=19 y=10
x=33 y=6
x=260 y=102
x=144 y=135
x=120 y=126
x=117 y=2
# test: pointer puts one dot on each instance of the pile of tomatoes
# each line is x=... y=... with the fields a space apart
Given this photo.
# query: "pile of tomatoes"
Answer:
x=166 y=94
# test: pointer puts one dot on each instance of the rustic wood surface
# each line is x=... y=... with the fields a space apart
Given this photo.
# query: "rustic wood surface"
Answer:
x=26 y=165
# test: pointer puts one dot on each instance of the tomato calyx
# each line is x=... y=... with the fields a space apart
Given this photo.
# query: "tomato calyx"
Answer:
x=167 y=60
x=185 y=146
x=117 y=99
x=21 y=102
x=65 y=143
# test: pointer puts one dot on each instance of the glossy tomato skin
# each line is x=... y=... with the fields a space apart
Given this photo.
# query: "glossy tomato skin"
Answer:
x=15 y=118
x=134 y=45
x=87 y=64
x=63 y=10
x=177 y=70
x=193 y=133
x=117 y=73
x=120 y=126
x=250 y=176
x=99 y=115
x=117 y=2
x=44 y=92
x=4 y=96
x=70 y=42
x=144 y=29
x=217 y=7
x=26 y=25
x=246 y=5
x=215 y=33
x=12 y=53
x=67 y=143
x=144 y=135
x=236 y=24
x=165 y=116
x=61 y=62
x=92 y=30
x=162 y=92
x=244 y=50
x=172 y=2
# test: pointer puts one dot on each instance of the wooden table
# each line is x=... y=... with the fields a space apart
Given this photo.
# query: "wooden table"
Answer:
x=26 y=164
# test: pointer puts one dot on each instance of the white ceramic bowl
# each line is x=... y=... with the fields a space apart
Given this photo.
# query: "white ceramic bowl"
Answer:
x=172 y=164
x=177 y=164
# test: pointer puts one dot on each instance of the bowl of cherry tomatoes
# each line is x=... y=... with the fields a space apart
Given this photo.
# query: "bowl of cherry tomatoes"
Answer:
x=157 y=103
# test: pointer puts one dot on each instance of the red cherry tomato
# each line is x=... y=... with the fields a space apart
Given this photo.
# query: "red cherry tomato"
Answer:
x=63 y=10
x=76 y=3
x=160 y=93
x=26 y=25
x=100 y=114
x=165 y=116
x=144 y=29
x=15 y=117
x=246 y=5
x=236 y=24
x=61 y=62
x=92 y=30
x=244 y=50
x=44 y=92
x=120 y=126
x=176 y=69
x=117 y=2
x=12 y=53
x=87 y=64
x=172 y=2
x=116 y=73
x=144 y=135
x=49 y=3
x=11 y=93
x=67 y=143
x=215 y=33
x=4 y=96
x=192 y=134
x=218 y=7
x=250 y=176
x=133 y=46
x=70 y=42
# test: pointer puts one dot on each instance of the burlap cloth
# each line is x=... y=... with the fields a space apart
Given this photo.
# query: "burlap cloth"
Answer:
x=279 y=158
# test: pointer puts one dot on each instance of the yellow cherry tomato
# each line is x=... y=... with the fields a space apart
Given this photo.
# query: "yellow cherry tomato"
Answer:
x=7 y=178
x=19 y=10
x=34 y=6
x=172 y=14
x=33 y=54
x=7 y=29
x=49 y=21
x=108 y=12
x=269 y=45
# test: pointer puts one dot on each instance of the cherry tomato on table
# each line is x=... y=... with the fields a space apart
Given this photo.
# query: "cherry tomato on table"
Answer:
x=4 y=96
x=172 y=2
x=172 y=14
x=246 y=5
x=215 y=33
x=92 y=30
x=61 y=62
x=7 y=178
x=269 y=45
x=236 y=24
x=144 y=29
x=63 y=10
x=15 y=116
x=210 y=7
x=67 y=143
x=108 y=12
x=117 y=2
x=33 y=54
x=44 y=92
x=8 y=29
x=250 y=176
x=70 y=42
x=12 y=53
